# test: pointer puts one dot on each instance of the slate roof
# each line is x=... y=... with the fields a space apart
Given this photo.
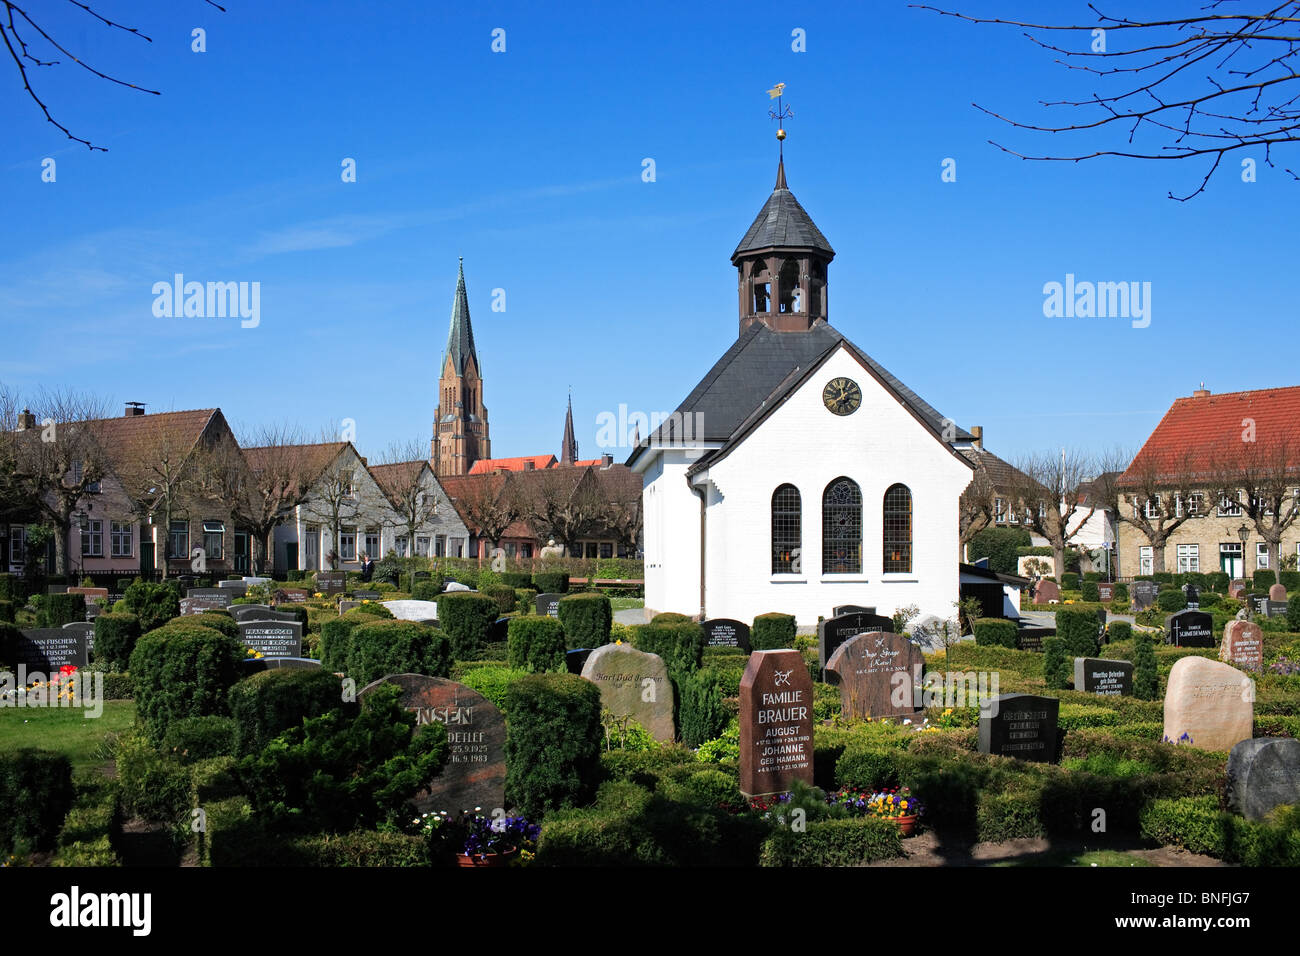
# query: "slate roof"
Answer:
x=1002 y=475
x=782 y=223
x=308 y=461
x=1202 y=434
x=460 y=339
x=396 y=478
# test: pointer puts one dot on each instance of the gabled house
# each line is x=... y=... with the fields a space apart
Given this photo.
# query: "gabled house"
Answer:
x=422 y=520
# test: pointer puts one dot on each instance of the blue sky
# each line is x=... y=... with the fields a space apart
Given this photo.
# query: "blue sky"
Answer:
x=528 y=163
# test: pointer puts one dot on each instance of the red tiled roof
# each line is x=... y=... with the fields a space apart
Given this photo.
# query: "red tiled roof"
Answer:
x=486 y=466
x=1202 y=434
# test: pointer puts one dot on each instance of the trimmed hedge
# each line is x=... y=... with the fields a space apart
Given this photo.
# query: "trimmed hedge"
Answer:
x=504 y=596
x=834 y=843
x=680 y=645
x=1118 y=631
x=703 y=715
x=536 y=643
x=36 y=793
x=267 y=704
x=397 y=647
x=154 y=785
x=219 y=622
x=426 y=590
x=551 y=582
x=1263 y=580
x=1146 y=675
x=465 y=617
x=516 y=579
x=587 y=619
x=1198 y=825
x=1120 y=592
x=1171 y=601
x=993 y=631
x=200 y=738
x=1078 y=630
x=1056 y=665
x=1069 y=581
x=154 y=604
x=492 y=681
x=183 y=670
x=59 y=609
x=1090 y=591
x=7 y=611
x=772 y=631
x=553 y=748
x=356 y=848
x=115 y=637
x=526 y=600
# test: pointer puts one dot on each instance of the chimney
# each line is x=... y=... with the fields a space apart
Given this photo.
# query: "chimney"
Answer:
x=26 y=420
x=1201 y=392
x=606 y=460
x=134 y=408
x=977 y=436
x=365 y=462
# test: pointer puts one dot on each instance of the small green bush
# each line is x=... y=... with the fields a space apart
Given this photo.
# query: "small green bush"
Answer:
x=59 y=609
x=1056 y=666
x=426 y=590
x=182 y=670
x=36 y=793
x=115 y=637
x=516 y=579
x=356 y=848
x=153 y=604
x=703 y=715
x=504 y=596
x=772 y=631
x=536 y=644
x=1293 y=612
x=1078 y=631
x=553 y=747
x=1146 y=677
x=465 y=617
x=397 y=647
x=551 y=582
x=154 y=785
x=996 y=632
x=267 y=704
x=1069 y=581
x=1090 y=591
x=7 y=611
x=1121 y=592
x=586 y=618
x=1118 y=631
x=492 y=681
x=1171 y=601
x=1263 y=580
x=846 y=842
x=525 y=600
x=218 y=622
x=681 y=646
x=336 y=642
x=191 y=739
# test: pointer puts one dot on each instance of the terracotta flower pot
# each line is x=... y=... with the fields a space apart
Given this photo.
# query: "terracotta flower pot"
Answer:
x=907 y=824
x=502 y=858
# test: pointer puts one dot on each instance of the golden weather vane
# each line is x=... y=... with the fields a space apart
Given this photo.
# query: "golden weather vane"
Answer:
x=781 y=112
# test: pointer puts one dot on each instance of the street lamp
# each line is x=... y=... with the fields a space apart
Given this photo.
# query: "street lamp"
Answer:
x=83 y=525
x=1244 y=534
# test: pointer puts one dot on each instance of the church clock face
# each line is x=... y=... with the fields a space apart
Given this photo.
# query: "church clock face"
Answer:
x=842 y=396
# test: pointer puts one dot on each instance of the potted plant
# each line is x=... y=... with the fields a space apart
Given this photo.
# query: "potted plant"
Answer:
x=475 y=840
x=899 y=805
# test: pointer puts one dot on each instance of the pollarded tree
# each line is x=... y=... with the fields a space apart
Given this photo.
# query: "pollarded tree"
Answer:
x=1153 y=497
x=1262 y=475
x=1049 y=492
x=277 y=480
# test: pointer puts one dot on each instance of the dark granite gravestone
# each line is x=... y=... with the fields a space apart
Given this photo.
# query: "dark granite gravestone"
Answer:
x=852 y=609
x=877 y=675
x=56 y=589
x=345 y=606
x=633 y=684
x=1021 y=726
x=1258 y=604
x=776 y=723
x=236 y=588
x=1045 y=592
x=498 y=630
x=259 y=612
x=47 y=649
x=198 y=600
x=1031 y=638
x=290 y=596
x=1094 y=675
x=1243 y=645
x=549 y=604
x=93 y=611
x=475 y=772
x=421 y=576
x=724 y=632
x=1274 y=608
x=366 y=595
x=331 y=582
x=1190 y=629
x=255 y=665
x=1105 y=590
x=272 y=638
x=1143 y=594
x=1263 y=773
x=85 y=629
x=574 y=660
x=834 y=632
x=1193 y=594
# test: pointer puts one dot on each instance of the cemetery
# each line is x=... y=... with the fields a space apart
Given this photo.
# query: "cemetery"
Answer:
x=503 y=718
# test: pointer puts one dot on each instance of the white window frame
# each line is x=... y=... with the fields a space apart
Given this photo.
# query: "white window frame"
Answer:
x=1152 y=502
x=121 y=539
x=1195 y=504
x=400 y=545
x=214 y=540
x=999 y=511
x=1234 y=509
x=1146 y=559
x=1261 y=556
x=422 y=542
x=348 y=543
x=1189 y=558
x=92 y=539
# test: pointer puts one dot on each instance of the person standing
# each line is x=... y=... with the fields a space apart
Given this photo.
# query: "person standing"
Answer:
x=367 y=567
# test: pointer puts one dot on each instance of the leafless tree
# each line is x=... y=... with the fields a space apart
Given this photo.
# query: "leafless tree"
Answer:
x=489 y=504
x=974 y=509
x=564 y=503
x=1048 y=490
x=334 y=499
x=1206 y=84
x=1262 y=476
x=404 y=482
x=277 y=480
x=619 y=513
x=1154 y=497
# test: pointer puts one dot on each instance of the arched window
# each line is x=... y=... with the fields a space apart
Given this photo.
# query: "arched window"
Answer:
x=788 y=280
x=842 y=527
x=762 y=282
x=898 y=530
x=787 y=528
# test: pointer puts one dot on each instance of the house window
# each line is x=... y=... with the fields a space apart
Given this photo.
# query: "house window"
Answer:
x=92 y=540
x=214 y=540
x=400 y=544
x=1013 y=516
x=348 y=543
x=842 y=528
x=1189 y=558
x=591 y=549
x=1195 y=504
x=898 y=530
x=17 y=544
x=76 y=472
x=999 y=511
x=606 y=549
x=1146 y=561
x=122 y=539
x=525 y=550
x=178 y=538
x=372 y=543
x=1152 y=508
x=1261 y=556
x=1229 y=507
x=786 y=528
x=422 y=545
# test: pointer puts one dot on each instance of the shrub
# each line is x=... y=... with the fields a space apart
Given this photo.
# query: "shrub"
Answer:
x=1198 y=825
x=1121 y=593
x=505 y=597
x=553 y=747
x=868 y=768
x=772 y=631
x=36 y=793
x=526 y=600
x=59 y=609
x=218 y=622
x=1293 y=612
x=1090 y=591
x=153 y=604
x=845 y=842
x=115 y=637
x=357 y=848
x=516 y=579
x=1263 y=580
x=551 y=582
x=670 y=617
x=536 y=643
x=465 y=617
x=397 y=647
x=1078 y=630
x=426 y=590
x=7 y=612
x=703 y=715
x=680 y=645
x=267 y=704
x=200 y=738
x=1118 y=631
x=1171 y=601
x=182 y=670
x=1056 y=667
x=154 y=785
x=11 y=589
x=118 y=687
x=1007 y=816
x=1164 y=577
x=1069 y=581
x=1218 y=581
x=492 y=681
x=1288 y=579
x=1146 y=678
x=336 y=641
x=996 y=631
x=1000 y=546
x=586 y=619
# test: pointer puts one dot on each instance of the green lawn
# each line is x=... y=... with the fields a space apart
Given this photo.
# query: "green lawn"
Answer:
x=626 y=603
x=1089 y=858
x=65 y=729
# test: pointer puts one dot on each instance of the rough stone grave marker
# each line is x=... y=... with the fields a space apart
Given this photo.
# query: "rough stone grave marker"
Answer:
x=1243 y=645
x=776 y=723
x=877 y=675
x=1046 y=592
x=1211 y=703
x=1263 y=773
x=633 y=684
x=1275 y=593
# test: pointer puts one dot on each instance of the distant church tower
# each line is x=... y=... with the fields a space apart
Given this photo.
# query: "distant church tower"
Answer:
x=568 y=444
x=782 y=263
x=460 y=433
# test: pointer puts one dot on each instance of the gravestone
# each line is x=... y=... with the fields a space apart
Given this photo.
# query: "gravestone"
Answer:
x=413 y=610
x=1021 y=726
x=366 y=595
x=345 y=606
x=272 y=638
x=237 y=588
x=331 y=582
x=1143 y=594
x=259 y=612
x=255 y=665
x=47 y=649
x=456 y=586
x=1275 y=608
x=1031 y=638
x=724 y=632
x=198 y=600
x=1212 y=703
x=1189 y=629
x=290 y=596
x=1237 y=588
x=549 y=604
x=1046 y=592
x=633 y=683
x=1096 y=675
x=1101 y=620
x=776 y=723
x=498 y=630
x=1193 y=594
x=835 y=631
x=1276 y=593
x=575 y=660
x=475 y=772
x=1263 y=773
x=852 y=609
x=877 y=675
x=1258 y=604
x=1243 y=645
x=92 y=611
x=85 y=629
x=1106 y=590
x=101 y=594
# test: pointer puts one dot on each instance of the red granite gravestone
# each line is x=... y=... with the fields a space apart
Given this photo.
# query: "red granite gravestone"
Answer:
x=1045 y=592
x=876 y=674
x=1236 y=588
x=776 y=723
x=1276 y=593
x=1243 y=645
x=1105 y=591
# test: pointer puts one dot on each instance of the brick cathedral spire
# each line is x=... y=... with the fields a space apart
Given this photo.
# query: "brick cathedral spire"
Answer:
x=460 y=433
x=569 y=444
